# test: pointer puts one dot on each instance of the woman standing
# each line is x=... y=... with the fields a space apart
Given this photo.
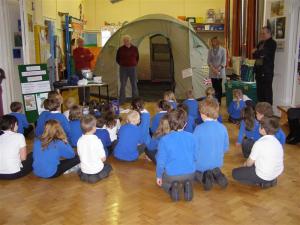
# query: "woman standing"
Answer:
x=216 y=61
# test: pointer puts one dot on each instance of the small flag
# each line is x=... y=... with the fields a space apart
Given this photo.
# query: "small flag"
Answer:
x=207 y=81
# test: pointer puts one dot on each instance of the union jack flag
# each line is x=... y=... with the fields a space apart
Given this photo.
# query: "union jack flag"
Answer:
x=207 y=81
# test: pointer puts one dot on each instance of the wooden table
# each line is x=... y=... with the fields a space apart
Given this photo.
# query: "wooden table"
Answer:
x=99 y=85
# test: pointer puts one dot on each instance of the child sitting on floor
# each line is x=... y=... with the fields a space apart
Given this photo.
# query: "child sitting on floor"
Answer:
x=75 y=116
x=69 y=102
x=265 y=162
x=23 y=126
x=249 y=131
x=169 y=96
x=175 y=158
x=236 y=106
x=192 y=104
x=41 y=119
x=129 y=136
x=211 y=143
x=103 y=135
x=14 y=161
x=265 y=109
x=49 y=148
x=163 y=108
x=112 y=124
x=95 y=107
x=152 y=144
x=190 y=123
x=91 y=153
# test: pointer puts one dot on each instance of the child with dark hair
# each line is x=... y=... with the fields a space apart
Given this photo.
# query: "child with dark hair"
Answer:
x=249 y=131
x=14 y=161
x=175 y=158
x=190 y=123
x=112 y=124
x=163 y=107
x=192 y=105
x=42 y=117
x=265 y=162
x=95 y=107
x=212 y=142
x=265 y=109
x=75 y=116
x=23 y=126
x=103 y=135
x=137 y=104
x=235 y=107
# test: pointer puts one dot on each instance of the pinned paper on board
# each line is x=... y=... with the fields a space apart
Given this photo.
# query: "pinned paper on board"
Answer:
x=30 y=103
x=40 y=98
x=187 y=73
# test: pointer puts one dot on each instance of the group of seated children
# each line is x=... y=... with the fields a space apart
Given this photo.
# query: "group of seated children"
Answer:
x=186 y=141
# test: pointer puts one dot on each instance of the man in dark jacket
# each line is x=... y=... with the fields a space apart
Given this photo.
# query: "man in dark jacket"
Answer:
x=264 y=56
x=128 y=58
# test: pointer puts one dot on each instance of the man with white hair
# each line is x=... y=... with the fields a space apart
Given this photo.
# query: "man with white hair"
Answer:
x=128 y=58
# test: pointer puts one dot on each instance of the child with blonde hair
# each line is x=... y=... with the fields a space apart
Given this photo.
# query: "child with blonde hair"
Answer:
x=169 y=96
x=129 y=137
x=69 y=103
x=236 y=106
x=163 y=107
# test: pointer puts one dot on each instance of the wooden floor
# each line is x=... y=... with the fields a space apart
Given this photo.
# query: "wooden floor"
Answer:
x=130 y=196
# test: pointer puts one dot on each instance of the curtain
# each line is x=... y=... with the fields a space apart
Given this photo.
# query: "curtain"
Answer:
x=236 y=18
x=251 y=22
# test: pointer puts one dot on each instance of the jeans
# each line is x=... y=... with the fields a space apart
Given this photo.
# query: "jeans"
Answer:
x=126 y=72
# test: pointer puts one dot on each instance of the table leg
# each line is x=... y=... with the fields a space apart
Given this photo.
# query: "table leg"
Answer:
x=99 y=96
x=107 y=94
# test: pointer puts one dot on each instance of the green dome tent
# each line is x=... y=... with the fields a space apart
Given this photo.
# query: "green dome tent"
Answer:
x=188 y=51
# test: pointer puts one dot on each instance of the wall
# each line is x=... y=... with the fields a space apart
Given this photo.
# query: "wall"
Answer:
x=96 y=12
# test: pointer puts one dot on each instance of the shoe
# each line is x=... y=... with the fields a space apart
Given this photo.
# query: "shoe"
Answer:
x=199 y=176
x=268 y=184
x=208 y=180
x=188 y=191
x=174 y=193
x=220 y=178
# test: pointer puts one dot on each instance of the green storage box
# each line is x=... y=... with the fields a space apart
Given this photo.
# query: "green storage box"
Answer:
x=248 y=89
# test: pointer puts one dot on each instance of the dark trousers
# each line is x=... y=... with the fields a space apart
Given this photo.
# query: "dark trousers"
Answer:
x=217 y=85
x=247 y=175
x=294 y=122
x=28 y=130
x=83 y=92
x=247 y=145
x=151 y=155
x=25 y=170
x=65 y=165
x=168 y=180
x=93 y=178
x=125 y=73
x=264 y=89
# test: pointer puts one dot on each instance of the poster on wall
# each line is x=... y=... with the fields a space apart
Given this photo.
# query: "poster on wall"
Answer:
x=272 y=24
x=29 y=101
x=40 y=98
x=280 y=28
x=277 y=8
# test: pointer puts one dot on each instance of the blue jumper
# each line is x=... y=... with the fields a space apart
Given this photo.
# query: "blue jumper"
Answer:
x=22 y=121
x=75 y=132
x=234 y=109
x=193 y=107
x=251 y=134
x=156 y=119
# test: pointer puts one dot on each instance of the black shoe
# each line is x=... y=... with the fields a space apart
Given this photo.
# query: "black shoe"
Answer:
x=199 y=176
x=208 y=180
x=188 y=191
x=268 y=184
x=220 y=178
x=174 y=192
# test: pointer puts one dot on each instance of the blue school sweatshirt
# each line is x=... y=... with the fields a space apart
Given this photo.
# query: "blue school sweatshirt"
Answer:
x=234 y=110
x=173 y=104
x=40 y=123
x=153 y=142
x=211 y=143
x=75 y=132
x=46 y=161
x=176 y=154
x=103 y=135
x=129 y=137
x=252 y=134
x=190 y=124
x=193 y=107
x=22 y=121
x=200 y=120
x=280 y=135
x=61 y=119
x=145 y=125
x=155 y=120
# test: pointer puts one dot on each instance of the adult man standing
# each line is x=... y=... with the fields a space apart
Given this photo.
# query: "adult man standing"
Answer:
x=128 y=58
x=264 y=56
x=82 y=59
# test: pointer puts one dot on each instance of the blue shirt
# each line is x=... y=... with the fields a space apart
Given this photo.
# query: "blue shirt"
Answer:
x=190 y=124
x=22 y=121
x=103 y=135
x=155 y=120
x=75 y=132
x=251 y=134
x=193 y=107
x=176 y=154
x=62 y=120
x=234 y=110
x=153 y=142
x=45 y=161
x=145 y=125
x=40 y=123
x=129 y=137
x=211 y=143
x=173 y=104
x=280 y=135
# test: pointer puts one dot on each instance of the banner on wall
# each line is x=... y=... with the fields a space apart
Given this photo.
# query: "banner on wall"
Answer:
x=35 y=86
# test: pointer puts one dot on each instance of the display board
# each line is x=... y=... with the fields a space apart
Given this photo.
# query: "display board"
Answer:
x=35 y=86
